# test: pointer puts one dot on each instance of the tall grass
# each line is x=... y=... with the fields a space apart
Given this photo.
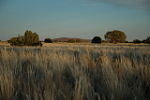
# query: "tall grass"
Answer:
x=75 y=72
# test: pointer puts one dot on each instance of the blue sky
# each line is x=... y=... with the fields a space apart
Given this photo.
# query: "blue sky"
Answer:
x=74 y=18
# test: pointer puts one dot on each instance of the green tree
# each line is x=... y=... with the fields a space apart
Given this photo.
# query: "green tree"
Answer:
x=96 y=39
x=115 y=36
x=20 y=39
x=28 y=38
x=35 y=38
x=31 y=38
x=13 y=41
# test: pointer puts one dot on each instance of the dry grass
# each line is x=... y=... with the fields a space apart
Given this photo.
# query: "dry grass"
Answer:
x=4 y=43
x=75 y=72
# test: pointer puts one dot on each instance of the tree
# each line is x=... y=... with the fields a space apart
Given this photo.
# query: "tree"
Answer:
x=148 y=40
x=20 y=39
x=35 y=38
x=13 y=41
x=31 y=38
x=144 y=41
x=96 y=39
x=48 y=40
x=115 y=36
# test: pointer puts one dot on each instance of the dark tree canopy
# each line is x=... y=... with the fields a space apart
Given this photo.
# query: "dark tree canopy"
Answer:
x=48 y=40
x=148 y=40
x=115 y=36
x=137 y=41
x=96 y=39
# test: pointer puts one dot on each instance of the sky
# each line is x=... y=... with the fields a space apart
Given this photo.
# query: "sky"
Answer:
x=74 y=18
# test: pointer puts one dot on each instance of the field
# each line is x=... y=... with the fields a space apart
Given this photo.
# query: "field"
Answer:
x=75 y=72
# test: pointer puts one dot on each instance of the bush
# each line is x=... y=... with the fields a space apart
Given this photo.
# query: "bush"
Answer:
x=126 y=41
x=96 y=39
x=71 y=41
x=137 y=41
x=13 y=41
x=78 y=40
x=48 y=40
x=144 y=41
x=56 y=41
x=18 y=41
x=29 y=39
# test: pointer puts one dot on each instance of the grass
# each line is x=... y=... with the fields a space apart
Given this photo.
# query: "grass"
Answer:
x=75 y=72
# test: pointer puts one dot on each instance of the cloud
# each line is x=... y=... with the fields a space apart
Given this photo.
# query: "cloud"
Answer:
x=134 y=4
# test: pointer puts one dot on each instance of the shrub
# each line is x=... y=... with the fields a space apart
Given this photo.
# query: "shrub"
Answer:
x=19 y=41
x=96 y=39
x=48 y=40
x=71 y=41
x=137 y=41
x=29 y=39
x=56 y=41
x=78 y=40
x=144 y=41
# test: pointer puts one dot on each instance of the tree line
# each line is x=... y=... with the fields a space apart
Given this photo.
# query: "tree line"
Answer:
x=32 y=39
x=117 y=36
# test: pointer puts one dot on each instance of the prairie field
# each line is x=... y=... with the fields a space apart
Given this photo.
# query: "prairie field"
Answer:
x=75 y=72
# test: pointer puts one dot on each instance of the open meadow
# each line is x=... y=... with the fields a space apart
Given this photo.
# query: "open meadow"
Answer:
x=75 y=72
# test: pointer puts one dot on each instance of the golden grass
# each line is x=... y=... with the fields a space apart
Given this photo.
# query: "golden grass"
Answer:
x=4 y=43
x=75 y=72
